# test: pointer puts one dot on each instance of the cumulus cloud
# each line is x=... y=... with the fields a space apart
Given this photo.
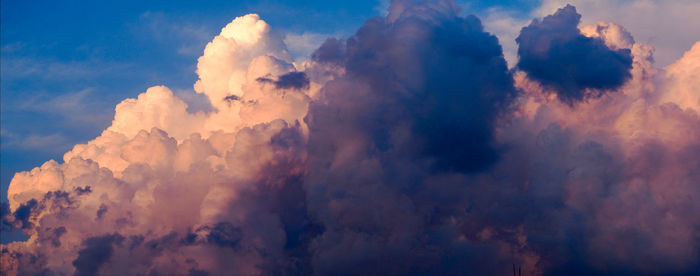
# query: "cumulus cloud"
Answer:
x=554 y=52
x=406 y=148
x=684 y=84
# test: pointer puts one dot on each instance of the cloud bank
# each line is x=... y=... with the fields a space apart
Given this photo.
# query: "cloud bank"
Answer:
x=406 y=148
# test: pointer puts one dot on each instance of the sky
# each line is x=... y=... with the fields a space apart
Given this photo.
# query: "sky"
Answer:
x=322 y=137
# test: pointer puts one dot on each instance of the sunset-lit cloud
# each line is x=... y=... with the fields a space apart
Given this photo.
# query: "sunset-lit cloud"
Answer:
x=408 y=148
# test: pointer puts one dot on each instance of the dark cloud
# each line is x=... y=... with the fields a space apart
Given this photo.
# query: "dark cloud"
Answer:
x=225 y=234
x=292 y=80
x=331 y=51
x=231 y=98
x=101 y=211
x=554 y=52
x=197 y=272
x=96 y=251
x=83 y=190
x=435 y=82
x=23 y=214
x=6 y=218
x=421 y=93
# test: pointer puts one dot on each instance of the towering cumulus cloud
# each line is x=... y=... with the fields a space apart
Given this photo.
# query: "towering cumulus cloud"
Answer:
x=414 y=109
x=408 y=148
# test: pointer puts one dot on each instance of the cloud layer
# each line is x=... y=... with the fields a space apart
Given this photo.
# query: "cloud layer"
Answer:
x=406 y=148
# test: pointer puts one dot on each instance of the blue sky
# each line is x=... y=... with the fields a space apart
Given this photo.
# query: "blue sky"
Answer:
x=66 y=64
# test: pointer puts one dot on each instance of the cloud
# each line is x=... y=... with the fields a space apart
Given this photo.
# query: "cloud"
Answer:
x=408 y=147
x=97 y=251
x=302 y=45
x=668 y=32
x=293 y=80
x=506 y=25
x=223 y=67
x=54 y=143
x=79 y=107
x=21 y=67
x=683 y=84
x=419 y=98
x=554 y=52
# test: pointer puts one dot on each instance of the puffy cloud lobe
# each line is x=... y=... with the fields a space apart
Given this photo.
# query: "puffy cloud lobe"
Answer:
x=403 y=149
x=554 y=52
x=683 y=83
x=156 y=211
x=157 y=107
x=223 y=67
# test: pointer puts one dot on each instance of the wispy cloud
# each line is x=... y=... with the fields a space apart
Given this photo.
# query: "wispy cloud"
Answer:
x=79 y=107
x=46 y=68
x=54 y=143
x=189 y=38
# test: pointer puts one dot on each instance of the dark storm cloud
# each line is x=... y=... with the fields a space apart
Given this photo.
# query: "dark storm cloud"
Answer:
x=554 y=52
x=96 y=251
x=428 y=79
x=421 y=93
